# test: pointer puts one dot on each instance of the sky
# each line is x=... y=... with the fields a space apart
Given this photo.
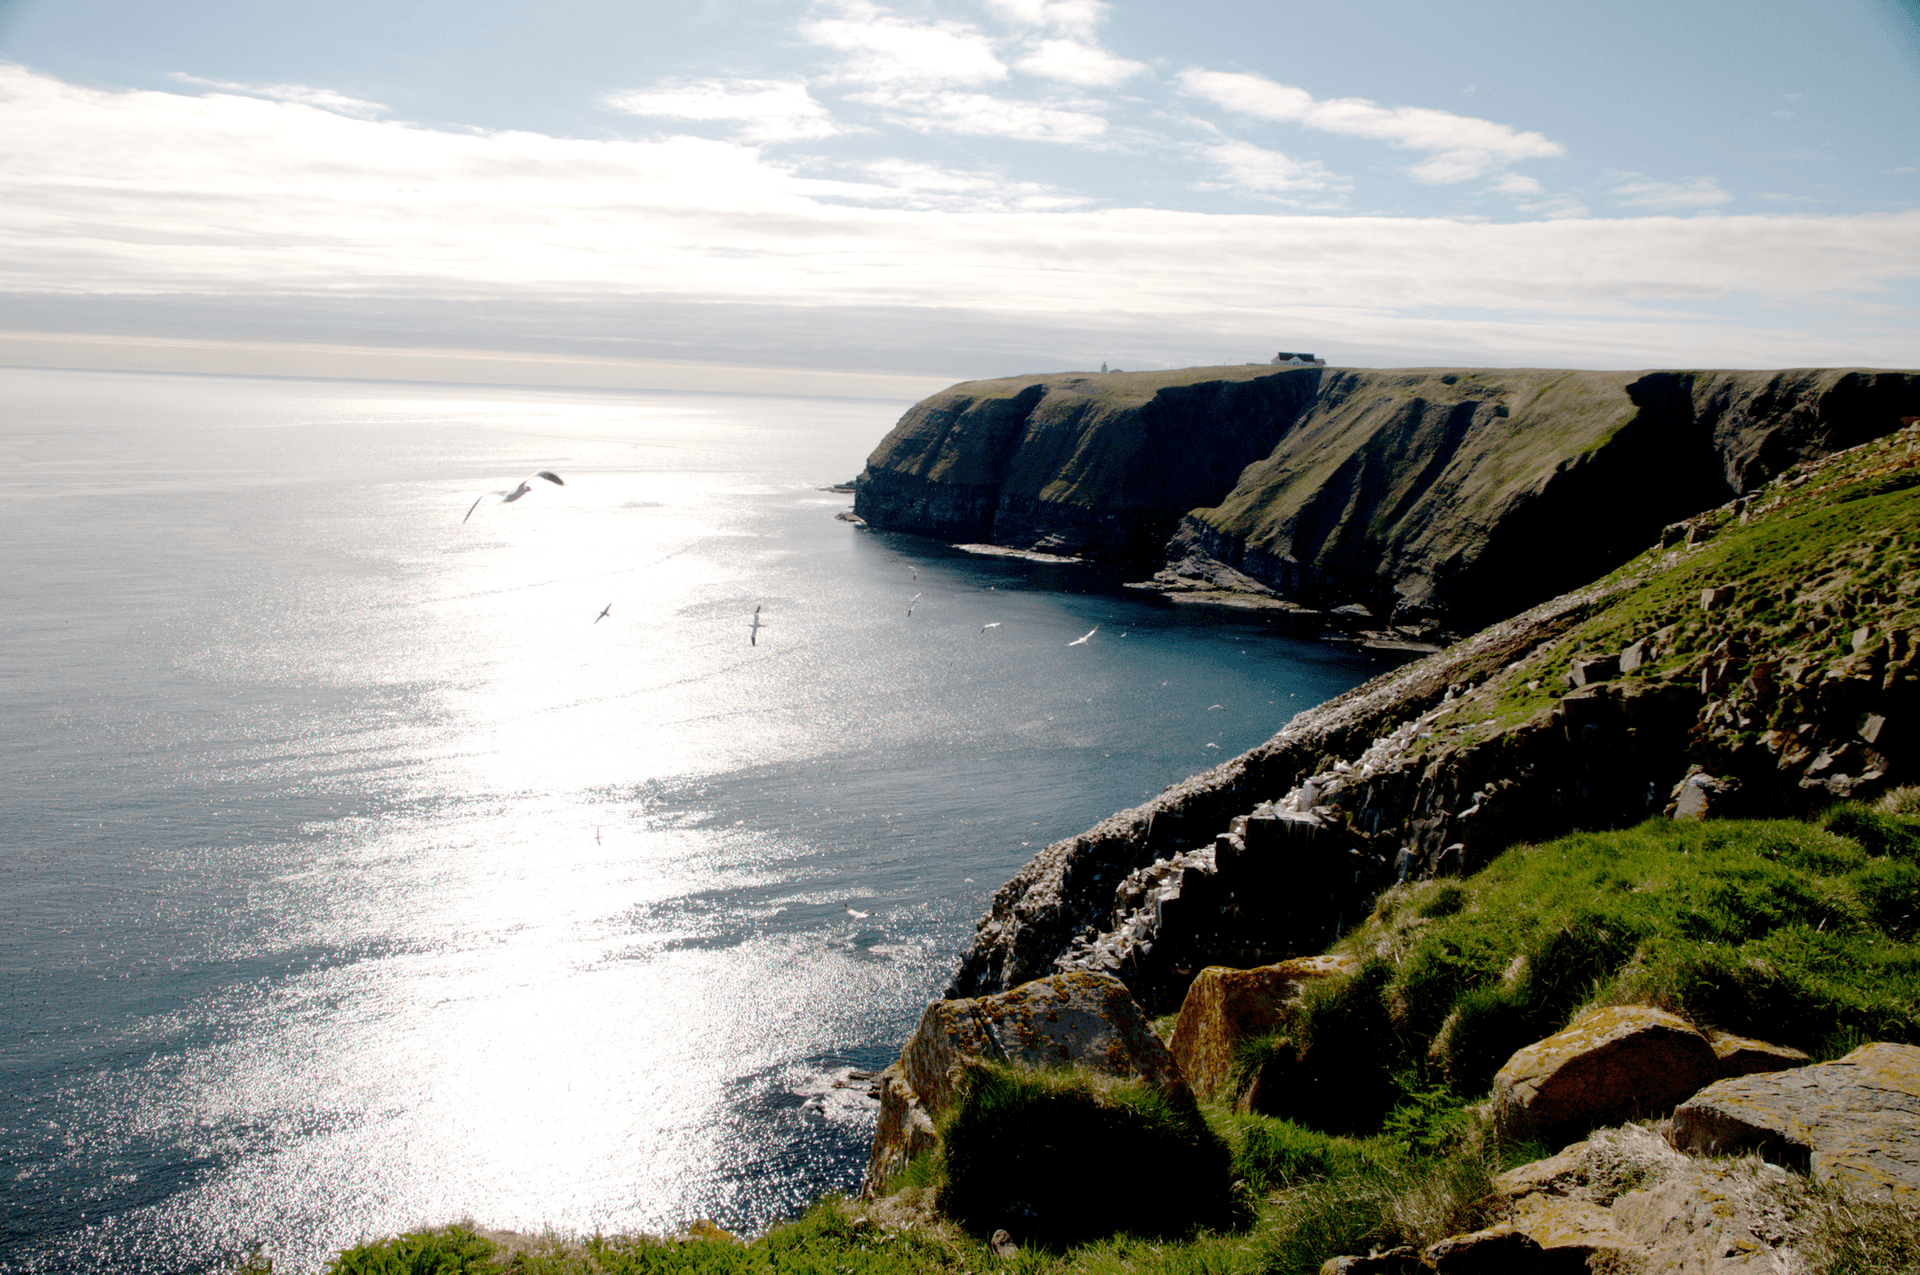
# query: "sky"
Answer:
x=842 y=196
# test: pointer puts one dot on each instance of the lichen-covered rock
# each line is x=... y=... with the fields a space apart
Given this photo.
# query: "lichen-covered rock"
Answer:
x=902 y=1132
x=1742 y=1056
x=1071 y=1018
x=1623 y=1200
x=1227 y=1007
x=1855 y=1121
x=1609 y=1065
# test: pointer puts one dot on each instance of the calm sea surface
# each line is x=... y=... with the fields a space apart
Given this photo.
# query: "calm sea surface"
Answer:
x=354 y=878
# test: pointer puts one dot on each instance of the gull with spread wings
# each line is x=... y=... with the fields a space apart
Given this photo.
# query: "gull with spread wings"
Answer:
x=508 y=497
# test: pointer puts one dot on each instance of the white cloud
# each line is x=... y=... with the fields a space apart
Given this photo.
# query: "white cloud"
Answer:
x=325 y=99
x=763 y=110
x=883 y=48
x=1516 y=184
x=1696 y=192
x=1461 y=147
x=1074 y=17
x=982 y=115
x=152 y=192
x=1256 y=169
x=909 y=184
x=1085 y=65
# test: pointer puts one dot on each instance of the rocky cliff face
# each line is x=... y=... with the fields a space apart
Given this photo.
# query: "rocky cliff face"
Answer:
x=1761 y=658
x=1451 y=496
x=1102 y=465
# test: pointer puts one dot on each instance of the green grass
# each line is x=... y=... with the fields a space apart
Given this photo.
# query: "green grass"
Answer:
x=1798 y=933
x=1059 y=1157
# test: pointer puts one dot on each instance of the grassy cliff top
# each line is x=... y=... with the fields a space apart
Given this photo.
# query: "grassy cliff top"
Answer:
x=1120 y=389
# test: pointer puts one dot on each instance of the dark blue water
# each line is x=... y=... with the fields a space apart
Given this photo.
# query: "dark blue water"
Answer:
x=353 y=877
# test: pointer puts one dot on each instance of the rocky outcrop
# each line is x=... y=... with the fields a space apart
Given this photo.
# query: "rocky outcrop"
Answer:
x=1609 y=1065
x=1225 y=1008
x=1855 y=1121
x=1760 y=659
x=1431 y=497
x=1071 y=1018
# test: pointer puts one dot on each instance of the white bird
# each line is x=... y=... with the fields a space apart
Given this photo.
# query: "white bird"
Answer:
x=1213 y=745
x=1211 y=707
x=994 y=625
x=855 y=913
x=605 y=612
x=910 y=601
x=508 y=497
x=1082 y=639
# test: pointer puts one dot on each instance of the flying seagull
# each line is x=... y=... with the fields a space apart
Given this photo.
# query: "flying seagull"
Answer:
x=855 y=913
x=508 y=497
x=1082 y=639
x=604 y=613
x=910 y=601
x=992 y=625
x=753 y=634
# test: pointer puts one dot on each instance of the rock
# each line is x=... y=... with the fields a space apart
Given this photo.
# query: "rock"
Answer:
x=1500 y=1249
x=1074 y=1017
x=1715 y=598
x=1227 y=1007
x=1624 y=1200
x=1609 y=1065
x=1635 y=656
x=1855 y=1121
x=903 y=1131
x=1740 y=1056
x=1703 y=796
x=1602 y=668
x=1404 y=1260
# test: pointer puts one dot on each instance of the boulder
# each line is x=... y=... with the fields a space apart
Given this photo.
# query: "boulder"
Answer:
x=1602 y=668
x=1741 y=1056
x=1610 y=1064
x=1624 y=1200
x=1226 y=1007
x=1073 y=1017
x=1501 y=1249
x=1855 y=1121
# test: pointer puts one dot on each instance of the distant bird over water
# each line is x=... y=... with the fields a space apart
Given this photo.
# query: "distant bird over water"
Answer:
x=508 y=497
x=604 y=613
x=855 y=913
x=1082 y=639
x=993 y=624
x=753 y=634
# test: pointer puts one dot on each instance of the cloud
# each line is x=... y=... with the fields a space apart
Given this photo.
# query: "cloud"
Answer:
x=982 y=115
x=1257 y=170
x=152 y=193
x=1073 y=62
x=1074 y=17
x=883 y=48
x=1694 y=193
x=1461 y=147
x=910 y=184
x=762 y=110
x=325 y=99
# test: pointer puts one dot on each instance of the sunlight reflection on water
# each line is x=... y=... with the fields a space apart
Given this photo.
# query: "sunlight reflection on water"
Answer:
x=359 y=878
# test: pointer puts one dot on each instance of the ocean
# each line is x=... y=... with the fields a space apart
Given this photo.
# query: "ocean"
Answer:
x=357 y=874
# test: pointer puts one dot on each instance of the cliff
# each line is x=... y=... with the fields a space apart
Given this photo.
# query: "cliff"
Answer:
x=1758 y=659
x=1453 y=497
x=1101 y=465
